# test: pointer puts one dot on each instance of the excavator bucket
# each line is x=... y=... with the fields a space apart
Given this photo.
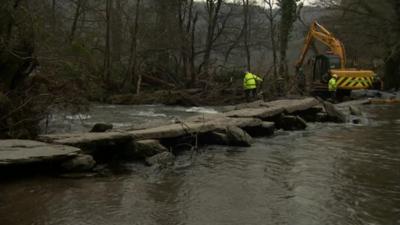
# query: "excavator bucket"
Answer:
x=352 y=79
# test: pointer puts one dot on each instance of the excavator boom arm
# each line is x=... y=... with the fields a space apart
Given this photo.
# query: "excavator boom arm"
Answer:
x=321 y=34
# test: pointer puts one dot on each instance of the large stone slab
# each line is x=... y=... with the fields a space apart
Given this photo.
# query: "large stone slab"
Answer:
x=351 y=103
x=294 y=105
x=334 y=114
x=14 y=152
x=172 y=131
x=267 y=110
x=87 y=139
x=262 y=113
x=255 y=104
x=364 y=94
x=389 y=101
x=244 y=118
x=238 y=137
x=222 y=121
x=194 y=125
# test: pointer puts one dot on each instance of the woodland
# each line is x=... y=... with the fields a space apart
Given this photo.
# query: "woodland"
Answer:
x=65 y=54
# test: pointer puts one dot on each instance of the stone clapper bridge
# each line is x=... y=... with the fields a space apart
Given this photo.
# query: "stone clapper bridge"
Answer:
x=235 y=127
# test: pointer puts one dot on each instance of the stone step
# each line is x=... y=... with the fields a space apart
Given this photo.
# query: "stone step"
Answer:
x=18 y=152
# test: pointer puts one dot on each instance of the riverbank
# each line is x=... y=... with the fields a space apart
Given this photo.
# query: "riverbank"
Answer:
x=215 y=96
x=219 y=95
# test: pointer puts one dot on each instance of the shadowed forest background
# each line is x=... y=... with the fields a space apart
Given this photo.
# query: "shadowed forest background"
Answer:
x=65 y=53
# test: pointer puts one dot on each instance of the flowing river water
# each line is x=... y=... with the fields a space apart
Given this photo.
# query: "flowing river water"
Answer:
x=327 y=174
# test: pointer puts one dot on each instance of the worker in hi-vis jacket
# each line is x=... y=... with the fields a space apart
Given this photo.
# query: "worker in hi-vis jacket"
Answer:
x=250 y=85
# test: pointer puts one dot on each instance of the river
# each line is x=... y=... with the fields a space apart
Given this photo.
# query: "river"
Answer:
x=327 y=174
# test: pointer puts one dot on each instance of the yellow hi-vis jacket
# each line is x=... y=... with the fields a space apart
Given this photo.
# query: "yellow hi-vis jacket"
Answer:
x=332 y=85
x=250 y=81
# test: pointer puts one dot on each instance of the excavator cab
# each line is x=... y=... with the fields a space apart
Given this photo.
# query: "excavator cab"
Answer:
x=322 y=66
x=333 y=62
x=322 y=72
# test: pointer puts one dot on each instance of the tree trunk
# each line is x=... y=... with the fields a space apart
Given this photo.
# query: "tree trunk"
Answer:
x=75 y=20
x=288 y=17
x=234 y=44
x=53 y=15
x=116 y=31
x=192 y=52
x=185 y=22
x=247 y=31
x=132 y=67
x=10 y=22
x=134 y=46
x=392 y=69
x=392 y=64
x=187 y=29
x=274 y=51
x=271 y=17
x=213 y=9
x=107 y=52
x=16 y=48
x=138 y=83
x=272 y=29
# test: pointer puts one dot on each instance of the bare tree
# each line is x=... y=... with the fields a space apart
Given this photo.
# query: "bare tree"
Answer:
x=288 y=17
x=133 y=55
x=235 y=35
x=213 y=9
x=116 y=31
x=272 y=13
x=53 y=15
x=107 y=52
x=187 y=28
x=78 y=10
x=247 y=32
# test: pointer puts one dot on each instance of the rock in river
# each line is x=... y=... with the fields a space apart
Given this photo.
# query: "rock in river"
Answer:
x=238 y=137
x=334 y=113
x=16 y=152
x=148 y=148
x=163 y=160
x=291 y=123
x=214 y=138
x=355 y=111
x=262 y=130
x=79 y=163
x=101 y=127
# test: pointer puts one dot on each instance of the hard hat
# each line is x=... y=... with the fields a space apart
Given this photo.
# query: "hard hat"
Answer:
x=334 y=75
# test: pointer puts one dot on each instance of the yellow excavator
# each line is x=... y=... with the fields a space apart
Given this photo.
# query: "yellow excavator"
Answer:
x=332 y=62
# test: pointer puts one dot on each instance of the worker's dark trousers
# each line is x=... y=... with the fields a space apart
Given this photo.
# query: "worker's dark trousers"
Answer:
x=250 y=93
x=333 y=95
